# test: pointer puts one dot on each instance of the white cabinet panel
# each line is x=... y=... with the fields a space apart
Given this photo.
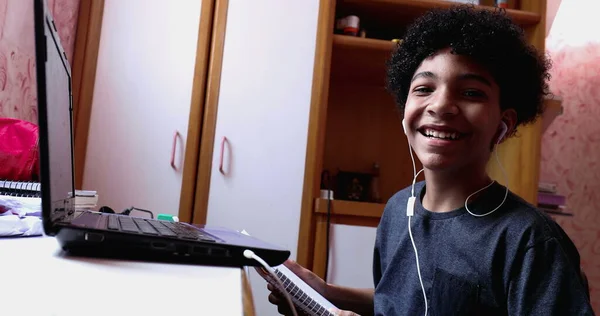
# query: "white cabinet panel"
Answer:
x=351 y=255
x=142 y=95
x=263 y=110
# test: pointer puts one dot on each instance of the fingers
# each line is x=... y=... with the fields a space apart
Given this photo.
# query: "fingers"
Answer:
x=294 y=266
x=338 y=312
x=282 y=306
x=274 y=299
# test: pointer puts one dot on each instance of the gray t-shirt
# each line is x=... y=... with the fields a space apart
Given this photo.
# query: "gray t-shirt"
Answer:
x=515 y=261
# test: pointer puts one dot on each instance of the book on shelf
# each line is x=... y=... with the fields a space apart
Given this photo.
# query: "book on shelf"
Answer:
x=85 y=199
x=304 y=297
x=553 y=208
x=547 y=187
x=551 y=199
x=559 y=210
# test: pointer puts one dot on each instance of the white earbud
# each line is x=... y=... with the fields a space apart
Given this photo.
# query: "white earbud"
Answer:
x=502 y=132
x=404 y=126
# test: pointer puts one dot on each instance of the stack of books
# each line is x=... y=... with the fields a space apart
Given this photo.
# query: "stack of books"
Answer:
x=85 y=200
x=550 y=201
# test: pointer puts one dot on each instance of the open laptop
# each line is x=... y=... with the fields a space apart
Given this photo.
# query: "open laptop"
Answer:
x=99 y=234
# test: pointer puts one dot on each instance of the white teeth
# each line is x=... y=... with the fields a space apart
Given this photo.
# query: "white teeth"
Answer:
x=441 y=135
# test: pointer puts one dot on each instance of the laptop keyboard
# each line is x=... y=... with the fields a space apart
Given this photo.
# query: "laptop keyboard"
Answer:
x=155 y=228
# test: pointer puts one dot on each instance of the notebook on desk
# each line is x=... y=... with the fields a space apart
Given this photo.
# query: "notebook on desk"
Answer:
x=19 y=188
x=92 y=233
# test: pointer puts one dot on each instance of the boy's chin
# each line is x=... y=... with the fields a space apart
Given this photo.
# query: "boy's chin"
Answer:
x=439 y=163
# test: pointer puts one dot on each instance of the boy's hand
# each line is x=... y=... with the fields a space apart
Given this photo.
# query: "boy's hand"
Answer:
x=338 y=312
x=305 y=275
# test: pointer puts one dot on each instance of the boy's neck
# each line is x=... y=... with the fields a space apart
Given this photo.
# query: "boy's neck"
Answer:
x=447 y=191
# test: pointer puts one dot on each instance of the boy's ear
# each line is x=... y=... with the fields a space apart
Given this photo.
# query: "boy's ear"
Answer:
x=509 y=117
x=506 y=128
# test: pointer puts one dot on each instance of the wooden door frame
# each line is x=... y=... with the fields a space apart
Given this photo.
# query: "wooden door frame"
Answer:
x=307 y=233
x=209 y=119
x=197 y=119
x=85 y=58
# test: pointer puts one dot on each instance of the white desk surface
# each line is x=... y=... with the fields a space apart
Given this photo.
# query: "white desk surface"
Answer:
x=37 y=278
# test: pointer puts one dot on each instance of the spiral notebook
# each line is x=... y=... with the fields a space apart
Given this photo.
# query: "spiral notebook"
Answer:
x=19 y=188
x=303 y=296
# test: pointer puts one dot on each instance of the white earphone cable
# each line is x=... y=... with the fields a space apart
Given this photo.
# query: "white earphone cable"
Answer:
x=487 y=186
x=410 y=211
x=418 y=266
x=251 y=255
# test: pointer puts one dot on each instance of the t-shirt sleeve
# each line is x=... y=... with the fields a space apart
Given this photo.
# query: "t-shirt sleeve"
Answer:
x=376 y=263
x=545 y=281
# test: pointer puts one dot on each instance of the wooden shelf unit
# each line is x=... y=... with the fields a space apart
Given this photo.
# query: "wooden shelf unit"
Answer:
x=350 y=208
x=553 y=109
x=354 y=121
x=368 y=45
x=388 y=12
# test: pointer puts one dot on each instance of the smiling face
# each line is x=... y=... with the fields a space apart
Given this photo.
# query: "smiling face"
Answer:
x=452 y=113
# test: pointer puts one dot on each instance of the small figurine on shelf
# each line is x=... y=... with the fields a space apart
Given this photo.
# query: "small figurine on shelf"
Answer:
x=353 y=186
x=349 y=25
x=502 y=4
x=466 y=1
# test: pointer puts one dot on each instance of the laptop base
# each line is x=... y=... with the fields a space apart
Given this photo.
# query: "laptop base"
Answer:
x=114 y=245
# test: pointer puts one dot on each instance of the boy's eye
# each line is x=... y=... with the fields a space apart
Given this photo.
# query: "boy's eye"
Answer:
x=474 y=93
x=422 y=90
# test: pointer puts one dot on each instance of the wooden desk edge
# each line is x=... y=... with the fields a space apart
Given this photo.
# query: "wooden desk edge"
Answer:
x=247 y=299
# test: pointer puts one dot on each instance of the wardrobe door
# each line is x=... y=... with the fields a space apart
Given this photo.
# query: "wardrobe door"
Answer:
x=141 y=103
x=262 y=123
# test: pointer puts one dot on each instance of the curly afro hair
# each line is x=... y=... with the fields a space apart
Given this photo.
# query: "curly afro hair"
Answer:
x=490 y=38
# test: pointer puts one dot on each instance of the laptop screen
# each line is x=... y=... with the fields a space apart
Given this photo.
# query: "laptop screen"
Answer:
x=55 y=120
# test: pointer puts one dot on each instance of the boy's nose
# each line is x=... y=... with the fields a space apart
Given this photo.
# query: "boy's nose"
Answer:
x=444 y=104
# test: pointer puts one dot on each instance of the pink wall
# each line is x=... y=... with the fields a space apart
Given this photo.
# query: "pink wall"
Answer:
x=570 y=147
x=17 y=52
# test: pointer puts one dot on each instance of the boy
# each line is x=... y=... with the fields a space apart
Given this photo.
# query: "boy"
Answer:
x=464 y=79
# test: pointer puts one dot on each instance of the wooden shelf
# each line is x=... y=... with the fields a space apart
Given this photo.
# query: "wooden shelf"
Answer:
x=390 y=11
x=346 y=42
x=553 y=109
x=557 y=213
x=351 y=208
